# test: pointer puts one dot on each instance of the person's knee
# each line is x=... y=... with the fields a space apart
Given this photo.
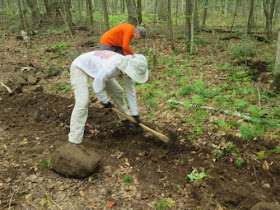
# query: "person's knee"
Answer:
x=81 y=105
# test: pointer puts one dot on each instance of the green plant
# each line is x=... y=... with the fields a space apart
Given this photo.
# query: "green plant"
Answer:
x=250 y=133
x=163 y=204
x=243 y=50
x=59 y=45
x=32 y=155
x=276 y=150
x=197 y=99
x=45 y=163
x=127 y=179
x=261 y=155
x=45 y=201
x=198 y=86
x=231 y=148
x=239 y=161
x=240 y=105
x=181 y=80
x=185 y=90
x=196 y=176
x=53 y=88
x=65 y=73
x=172 y=105
x=152 y=103
x=218 y=153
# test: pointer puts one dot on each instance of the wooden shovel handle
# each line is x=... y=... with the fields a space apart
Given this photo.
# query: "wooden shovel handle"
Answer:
x=160 y=136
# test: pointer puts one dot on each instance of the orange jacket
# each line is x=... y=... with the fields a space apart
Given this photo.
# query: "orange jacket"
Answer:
x=119 y=36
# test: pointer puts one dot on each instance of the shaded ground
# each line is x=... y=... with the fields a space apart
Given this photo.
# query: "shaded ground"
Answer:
x=33 y=125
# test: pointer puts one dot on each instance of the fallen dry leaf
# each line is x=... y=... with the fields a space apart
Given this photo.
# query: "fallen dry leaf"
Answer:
x=28 y=196
x=110 y=204
x=265 y=165
x=24 y=141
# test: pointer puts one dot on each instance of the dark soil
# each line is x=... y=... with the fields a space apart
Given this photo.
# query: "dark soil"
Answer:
x=37 y=123
x=34 y=124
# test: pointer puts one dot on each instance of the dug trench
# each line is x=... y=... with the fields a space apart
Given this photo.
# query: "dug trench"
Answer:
x=33 y=125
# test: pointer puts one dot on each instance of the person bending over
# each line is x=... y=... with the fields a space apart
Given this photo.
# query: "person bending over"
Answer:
x=104 y=66
x=118 y=38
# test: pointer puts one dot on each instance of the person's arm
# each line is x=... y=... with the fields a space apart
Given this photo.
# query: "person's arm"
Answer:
x=99 y=84
x=126 y=41
x=131 y=96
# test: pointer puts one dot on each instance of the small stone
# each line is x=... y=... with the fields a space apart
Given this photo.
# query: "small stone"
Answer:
x=265 y=206
x=20 y=80
x=32 y=80
x=37 y=88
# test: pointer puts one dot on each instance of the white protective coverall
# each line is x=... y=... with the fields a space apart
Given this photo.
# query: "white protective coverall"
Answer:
x=101 y=66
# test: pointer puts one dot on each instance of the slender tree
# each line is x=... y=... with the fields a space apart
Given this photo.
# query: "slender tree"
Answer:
x=162 y=8
x=35 y=13
x=155 y=11
x=105 y=12
x=188 y=23
x=170 y=24
x=276 y=82
x=235 y=14
x=251 y=17
x=139 y=11
x=68 y=14
x=20 y=13
x=132 y=13
x=204 y=13
x=193 y=26
x=269 y=6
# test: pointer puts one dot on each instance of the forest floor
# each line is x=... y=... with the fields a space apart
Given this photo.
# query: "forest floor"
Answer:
x=36 y=122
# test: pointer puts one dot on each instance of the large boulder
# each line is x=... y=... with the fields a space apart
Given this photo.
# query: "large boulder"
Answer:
x=75 y=160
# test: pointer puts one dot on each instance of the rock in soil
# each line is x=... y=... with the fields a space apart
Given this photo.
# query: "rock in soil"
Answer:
x=74 y=160
x=265 y=206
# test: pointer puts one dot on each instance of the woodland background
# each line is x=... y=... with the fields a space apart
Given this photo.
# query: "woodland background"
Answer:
x=214 y=81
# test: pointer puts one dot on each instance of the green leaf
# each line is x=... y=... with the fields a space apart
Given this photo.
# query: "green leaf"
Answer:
x=187 y=104
x=196 y=99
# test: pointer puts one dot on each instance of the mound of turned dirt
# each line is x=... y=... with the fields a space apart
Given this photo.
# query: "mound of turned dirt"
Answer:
x=74 y=160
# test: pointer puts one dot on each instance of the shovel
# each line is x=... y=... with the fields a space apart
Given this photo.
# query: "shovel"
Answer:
x=160 y=136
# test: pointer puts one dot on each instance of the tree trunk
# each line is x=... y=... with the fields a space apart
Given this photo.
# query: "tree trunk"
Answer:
x=35 y=13
x=52 y=8
x=276 y=83
x=20 y=13
x=226 y=8
x=177 y=9
x=89 y=11
x=155 y=11
x=132 y=14
x=139 y=11
x=204 y=13
x=277 y=63
x=122 y=6
x=234 y=15
x=68 y=14
x=80 y=11
x=268 y=6
x=251 y=17
x=162 y=8
x=196 y=20
x=193 y=28
x=188 y=23
x=48 y=8
x=105 y=11
x=170 y=24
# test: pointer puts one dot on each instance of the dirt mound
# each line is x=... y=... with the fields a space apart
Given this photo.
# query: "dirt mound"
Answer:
x=75 y=160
